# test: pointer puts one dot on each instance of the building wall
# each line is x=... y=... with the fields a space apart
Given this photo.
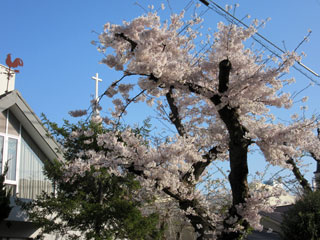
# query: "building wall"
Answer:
x=6 y=84
x=25 y=176
x=25 y=159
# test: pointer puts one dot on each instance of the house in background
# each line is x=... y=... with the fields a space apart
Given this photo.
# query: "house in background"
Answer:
x=24 y=145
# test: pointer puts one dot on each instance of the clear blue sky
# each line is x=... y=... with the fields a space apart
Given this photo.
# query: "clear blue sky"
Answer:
x=53 y=39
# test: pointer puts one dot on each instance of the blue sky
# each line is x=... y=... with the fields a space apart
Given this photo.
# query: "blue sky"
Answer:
x=53 y=39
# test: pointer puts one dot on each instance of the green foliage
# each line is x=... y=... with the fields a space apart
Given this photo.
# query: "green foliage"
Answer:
x=302 y=221
x=5 y=207
x=96 y=204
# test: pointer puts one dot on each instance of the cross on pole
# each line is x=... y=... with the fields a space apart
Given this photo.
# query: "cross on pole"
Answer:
x=95 y=104
x=97 y=79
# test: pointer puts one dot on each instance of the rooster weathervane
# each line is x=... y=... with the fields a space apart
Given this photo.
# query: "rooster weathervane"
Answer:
x=16 y=63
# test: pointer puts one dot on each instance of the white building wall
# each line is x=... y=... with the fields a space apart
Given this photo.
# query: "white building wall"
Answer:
x=4 y=83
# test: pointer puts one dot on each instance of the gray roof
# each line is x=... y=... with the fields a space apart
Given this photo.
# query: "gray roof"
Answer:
x=276 y=215
x=32 y=124
x=264 y=235
x=273 y=220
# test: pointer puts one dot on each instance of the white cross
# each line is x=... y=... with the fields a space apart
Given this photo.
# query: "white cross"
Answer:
x=97 y=79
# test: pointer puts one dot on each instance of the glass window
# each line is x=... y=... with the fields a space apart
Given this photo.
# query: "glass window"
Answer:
x=12 y=158
x=11 y=188
x=1 y=152
x=14 y=125
x=32 y=180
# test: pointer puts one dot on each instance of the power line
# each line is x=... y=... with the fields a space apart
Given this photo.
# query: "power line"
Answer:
x=218 y=9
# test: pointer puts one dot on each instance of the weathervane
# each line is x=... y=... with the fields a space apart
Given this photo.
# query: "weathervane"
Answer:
x=17 y=62
x=96 y=99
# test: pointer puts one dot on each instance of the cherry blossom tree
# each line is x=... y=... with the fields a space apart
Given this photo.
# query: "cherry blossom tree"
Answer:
x=220 y=102
x=93 y=204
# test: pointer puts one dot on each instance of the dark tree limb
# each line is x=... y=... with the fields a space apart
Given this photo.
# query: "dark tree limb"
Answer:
x=124 y=37
x=199 y=167
x=184 y=204
x=174 y=115
x=195 y=220
x=224 y=72
x=301 y=179
x=317 y=172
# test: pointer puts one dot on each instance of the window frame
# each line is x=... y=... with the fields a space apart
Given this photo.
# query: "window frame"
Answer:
x=6 y=137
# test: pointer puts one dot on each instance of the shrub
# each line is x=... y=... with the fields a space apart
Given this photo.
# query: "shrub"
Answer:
x=302 y=221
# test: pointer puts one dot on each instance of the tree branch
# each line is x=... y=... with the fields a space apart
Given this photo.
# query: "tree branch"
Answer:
x=199 y=167
x=301 y=179
x=185 y=204
x=224 y=71
x=174 y=115
x=124 y=37
x=129 y=101
x=195 y=220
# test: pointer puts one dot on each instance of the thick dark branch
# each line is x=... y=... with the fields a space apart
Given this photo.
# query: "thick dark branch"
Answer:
x=315 y=158
x=224 y=71
x=316 y=173
x=199 y=167
x=174 y=115
x=124 y=37
x=195 y=220
x=313 y=155
x=301 y=179
x=185 y=204
x=197 y=89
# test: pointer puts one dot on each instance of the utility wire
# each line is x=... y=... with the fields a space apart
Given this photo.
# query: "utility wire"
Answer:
x=218 y=9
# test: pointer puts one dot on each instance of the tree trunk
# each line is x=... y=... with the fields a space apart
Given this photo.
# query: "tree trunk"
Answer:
x=238 y=149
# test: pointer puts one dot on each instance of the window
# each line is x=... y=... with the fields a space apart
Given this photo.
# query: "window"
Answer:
x=12 y=158
x=9 y=147
x=1 y=152
x=32 y=181
x=24 y=158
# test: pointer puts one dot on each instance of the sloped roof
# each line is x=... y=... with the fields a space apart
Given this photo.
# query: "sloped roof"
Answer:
x=264 y=235
x=277 y=214
x=32 y=124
